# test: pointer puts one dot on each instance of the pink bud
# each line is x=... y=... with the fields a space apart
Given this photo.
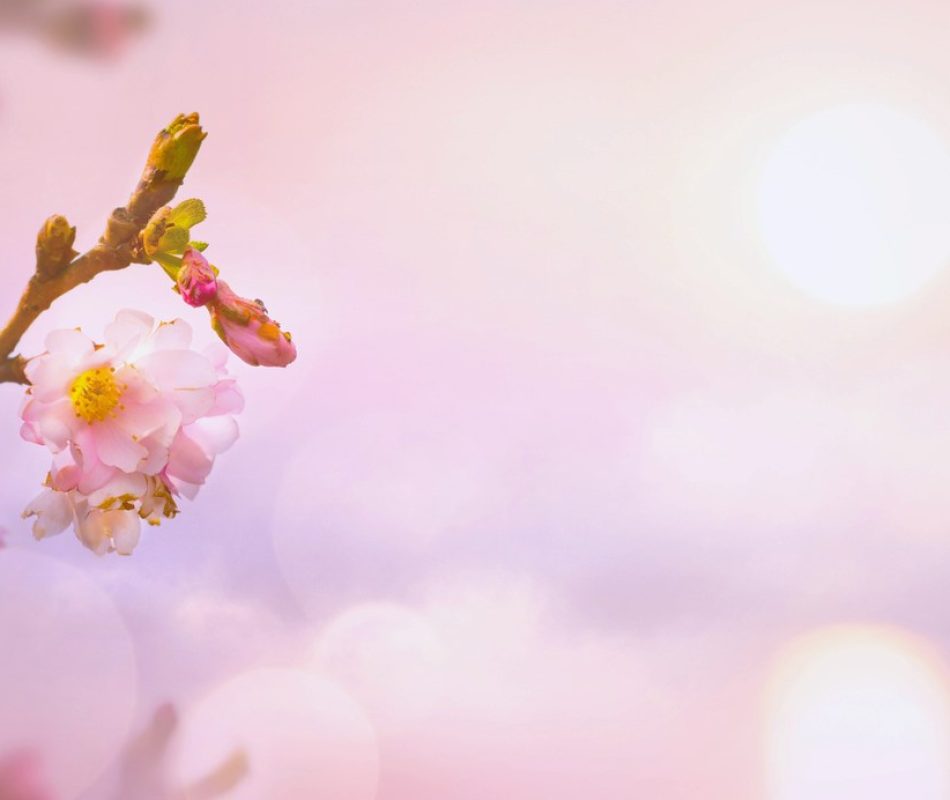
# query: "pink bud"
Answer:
x=244 y=326
x=21 y=777
x=196 y=280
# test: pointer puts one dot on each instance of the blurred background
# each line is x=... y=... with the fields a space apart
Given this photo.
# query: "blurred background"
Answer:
x=614 y=460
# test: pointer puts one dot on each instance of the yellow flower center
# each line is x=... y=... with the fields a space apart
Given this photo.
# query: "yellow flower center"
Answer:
x=95 y=394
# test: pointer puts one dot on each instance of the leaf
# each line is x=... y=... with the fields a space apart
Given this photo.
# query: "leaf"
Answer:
x=189 y=213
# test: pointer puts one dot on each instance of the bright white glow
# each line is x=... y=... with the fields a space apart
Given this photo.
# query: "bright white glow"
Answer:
x=854 y=205
x=857 y=713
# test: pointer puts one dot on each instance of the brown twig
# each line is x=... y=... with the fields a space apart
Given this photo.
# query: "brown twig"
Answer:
x=12 y=370
x=171 y=156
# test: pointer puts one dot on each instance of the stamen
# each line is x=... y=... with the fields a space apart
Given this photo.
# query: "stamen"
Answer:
x=95 y=394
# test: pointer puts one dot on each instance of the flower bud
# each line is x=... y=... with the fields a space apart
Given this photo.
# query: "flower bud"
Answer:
x=244 y=326
x=154 y=231
x=197 y=283
x=176 y=147
x=54 y=246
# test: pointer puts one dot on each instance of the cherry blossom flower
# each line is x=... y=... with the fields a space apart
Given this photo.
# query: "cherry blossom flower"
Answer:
x=109 y=519
x=133 y=424
x=121 y=405
x=112 y=526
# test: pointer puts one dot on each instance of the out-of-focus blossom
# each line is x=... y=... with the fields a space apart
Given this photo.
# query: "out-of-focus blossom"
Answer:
x=144 y=773
x=245 y=327
x=98 y=29
x=118 y=407
x=91 y=29
x=21 y=778
x=142 y=766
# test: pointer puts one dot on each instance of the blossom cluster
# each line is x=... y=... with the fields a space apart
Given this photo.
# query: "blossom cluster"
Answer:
x=134 y=423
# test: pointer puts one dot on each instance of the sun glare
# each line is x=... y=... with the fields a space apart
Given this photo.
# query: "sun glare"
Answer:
x=854 y=204
x=857 y=712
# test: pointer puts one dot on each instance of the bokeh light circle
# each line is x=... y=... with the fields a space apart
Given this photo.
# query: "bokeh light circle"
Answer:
x=854 y=202
x=68 y=670
x=304 y=738
x=858 y=711
x=387 y=655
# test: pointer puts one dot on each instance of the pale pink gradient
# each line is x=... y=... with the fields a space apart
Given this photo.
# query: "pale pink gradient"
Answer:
x=564 y=461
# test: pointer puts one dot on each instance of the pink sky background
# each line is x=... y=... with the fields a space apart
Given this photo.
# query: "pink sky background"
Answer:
x=565 y=463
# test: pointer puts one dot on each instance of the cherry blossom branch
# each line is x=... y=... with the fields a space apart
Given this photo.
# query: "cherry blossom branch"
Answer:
x=58 y=270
